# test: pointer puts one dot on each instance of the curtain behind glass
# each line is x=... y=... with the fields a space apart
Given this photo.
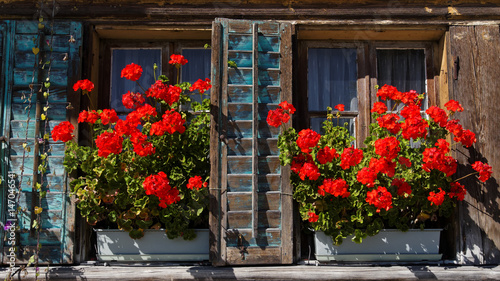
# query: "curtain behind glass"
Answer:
x=332 y=77
x=404 y=69
x=198 y=67
x=120 y=86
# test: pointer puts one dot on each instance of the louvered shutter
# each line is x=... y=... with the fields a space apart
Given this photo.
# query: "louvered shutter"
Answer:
x=251 y=202
x=57 y=234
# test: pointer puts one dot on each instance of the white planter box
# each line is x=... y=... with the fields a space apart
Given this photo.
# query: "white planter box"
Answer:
x=388 y=245
x=116 y=245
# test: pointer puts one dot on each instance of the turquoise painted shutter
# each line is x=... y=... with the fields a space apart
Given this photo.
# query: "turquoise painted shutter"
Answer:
x=251 y=211
x=57 y=234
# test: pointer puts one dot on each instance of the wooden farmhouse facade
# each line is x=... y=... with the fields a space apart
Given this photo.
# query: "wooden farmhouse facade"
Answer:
x=452 y=49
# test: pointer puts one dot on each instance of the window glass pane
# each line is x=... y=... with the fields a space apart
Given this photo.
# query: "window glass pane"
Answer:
x=120 y=86
x=331 y=80
x=198 y=67
x=404 y=69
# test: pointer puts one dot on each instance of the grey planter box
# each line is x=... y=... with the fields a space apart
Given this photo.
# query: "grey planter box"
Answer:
x=116 y=245
x=388 y=245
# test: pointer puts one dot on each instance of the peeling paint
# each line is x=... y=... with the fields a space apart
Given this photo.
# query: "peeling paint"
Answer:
x=428 y=10
x=453 y=11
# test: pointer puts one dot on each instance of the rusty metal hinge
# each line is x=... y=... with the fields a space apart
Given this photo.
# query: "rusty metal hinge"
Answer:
x=243 y=249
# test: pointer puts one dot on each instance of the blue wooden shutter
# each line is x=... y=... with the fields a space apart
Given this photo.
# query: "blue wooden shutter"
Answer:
x=57 y=234
x=251 y=206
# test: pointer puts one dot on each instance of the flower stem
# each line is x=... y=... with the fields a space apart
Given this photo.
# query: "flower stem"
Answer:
x=466 y=176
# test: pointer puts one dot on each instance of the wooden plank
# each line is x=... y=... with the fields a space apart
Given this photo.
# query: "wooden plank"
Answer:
x=476 y=88
x=243 y=183
x=287 y=210
x=255 y=129
x=254 y=255
x=243 y=219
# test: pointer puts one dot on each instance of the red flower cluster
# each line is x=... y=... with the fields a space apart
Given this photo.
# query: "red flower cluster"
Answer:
x=414 y=126
x=404 y=189
x=466 y=137
x=88 y=116
x=380 y=198
x=132 y=72
x=379 y=107
x=178 y=60
x=307 y=139
x=457 y=190
x=438 y=115
x=108 y=143
x=340 y=107
x=437 y=198
x=404 y=161
x=309 y=170
x=172 y=122
x=454 y=106
x=132 y=100
x=312 y=217
x=387 y=147
x=196 y=182
x=298 y=161
x=159 y=186
x=390 y=122
x=383 y=165
x=388 y=92
x=109 y=116
x=336 y=187
x=159 y=90
x=84 y=85
x=326 y=155
x=350 y=157
x=367 y=176
x=63 y=132
x=201 y=86
x=280 y=115
x=436 y=158
x=483 y=169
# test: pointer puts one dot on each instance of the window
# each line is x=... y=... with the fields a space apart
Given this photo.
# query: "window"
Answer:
x=118 y=54
x=347 y=73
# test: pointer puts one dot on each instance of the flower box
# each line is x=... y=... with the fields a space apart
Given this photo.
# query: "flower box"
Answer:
x=389 y=245
x=116 y=245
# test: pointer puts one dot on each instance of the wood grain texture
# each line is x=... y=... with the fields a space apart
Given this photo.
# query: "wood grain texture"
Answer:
x=476 y=88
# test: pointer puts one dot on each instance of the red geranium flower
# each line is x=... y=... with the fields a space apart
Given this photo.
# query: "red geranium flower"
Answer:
x=380 y=198
x=454 y=106
x=388 y=92
x=298 y=162
x=109 y=116
x=108 y=143
x=387 y=147
x=196 y=182
x=457 y=190
x=85 y=85
x=159 y=186
x=404 y=161
x=390 y=122
x=438 y=115
x=144 y=149
x=201 y=85
x=483 y=169
x=132 y=100
x=436 y=198
x=340 y=107
x=404 y=189
x=307 y=139
x=313 y=217
x=287 y=106
x=367 y=176
x=379 y=107
x=63 y=132
x=178 y=59
x=88 y=116
x=309 y=170
x=350 y=157
x=173 y=122
x=132 y=72
x=336 y=187
x=326 y=155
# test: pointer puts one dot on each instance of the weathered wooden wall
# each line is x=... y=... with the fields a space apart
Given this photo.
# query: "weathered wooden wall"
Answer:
x=476 y=84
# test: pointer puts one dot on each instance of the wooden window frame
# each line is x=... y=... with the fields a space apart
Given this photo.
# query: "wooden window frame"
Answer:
x=168 y=47
x=367 y=78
